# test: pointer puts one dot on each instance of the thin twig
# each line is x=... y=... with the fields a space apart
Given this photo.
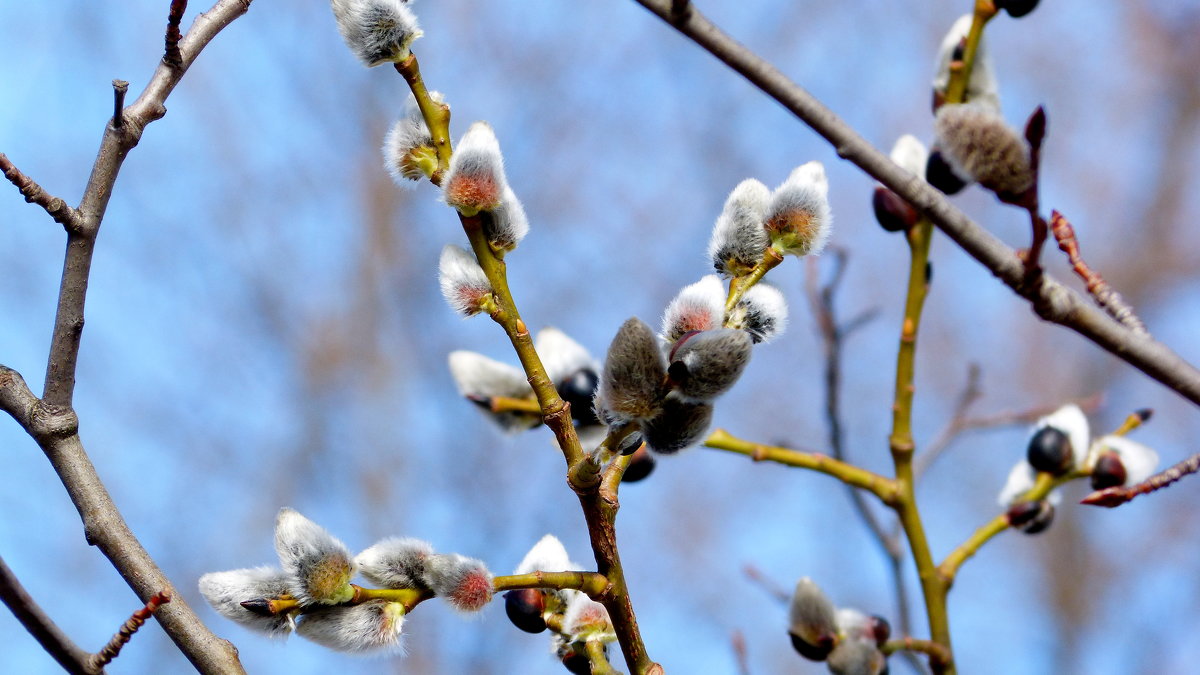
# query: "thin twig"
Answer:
x=113 y=648
x=120 y=88
x=1050 y=299
x=57 y=644
x=1116 y=496
x=755 y=575
x=34 y=194
x=1108 y=299
x=171 y=56
x=741 y=654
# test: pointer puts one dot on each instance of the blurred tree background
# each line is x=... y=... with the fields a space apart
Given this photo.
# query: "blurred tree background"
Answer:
x=265 y=327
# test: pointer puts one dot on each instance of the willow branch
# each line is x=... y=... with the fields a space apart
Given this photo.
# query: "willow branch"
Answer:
x=592 y=583
x=56 y=430
x=1116 y=496
x=33 y=193
x=881 y=487
x=111 y=650
x=1050 y=299
x=72 y=658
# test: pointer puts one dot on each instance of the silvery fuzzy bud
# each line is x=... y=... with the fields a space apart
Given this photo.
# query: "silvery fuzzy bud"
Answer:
x=479 y=379
x=319 y=566
x=548 y=555
x=680 y=425
x=909 y=153
x=739 y=238
x=562 y=356
x=799 y=220
x=475 y=180
x=586 y=619
x=463 y=282
x=226 y=591
x=465 y=583
x=982 y=87
x=705 y=365
x=508 y=224
x=408 y=152
x=857 y=652
x=377 y=31
x=1116 y=460
x=976 y=142
x=395 y=562
x=699 y=306
x=812 y=621
x=370 y=627
x=634 y=371
x=762 y=312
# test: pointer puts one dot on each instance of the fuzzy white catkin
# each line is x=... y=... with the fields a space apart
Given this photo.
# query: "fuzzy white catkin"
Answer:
x=910 y=154
x=562 y=356
x=396 y=562
x=548 y=555
x=698 y=306
x=811 y=616
x=226 y=591
x=983 y=87
x=739 y=238
x=762 y=312
x=585 y=618
x=799 y=220
x=475 y=179
x=462 y=280
x=977 y=143
x=377 y=31
x=319 y=565
x=408 y=133
x=479 y=377
x=509 y=224
x=372 y=627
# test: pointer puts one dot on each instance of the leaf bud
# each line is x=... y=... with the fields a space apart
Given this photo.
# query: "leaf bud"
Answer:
x=1050 y=451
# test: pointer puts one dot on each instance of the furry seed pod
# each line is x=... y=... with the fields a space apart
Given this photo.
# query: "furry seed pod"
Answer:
x=705 y=365
x=762 y=312
x=508 y=224
x=739 y=238
x=372 y=627
x=408 y=152
x=1116 y=458
x=395 y=562
x=475 y=180
x=699 y=306
x=464 y=583
x=319 y=566
x=377 y=31
x=975 y=141
x=812 y=621
x=464 y=285
x=983 y=87
x=479 y=379
x=909 y=153
x=226 y=591
x=634 y=371
x=586 y=619
x=680 y=425
x=857 y=652
x=799 y=220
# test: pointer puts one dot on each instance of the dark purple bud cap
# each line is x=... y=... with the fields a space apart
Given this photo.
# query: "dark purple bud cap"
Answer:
x=1108 y=472
x=939 y=174
x=1017 y=8
x=881 y=629
x=259 y=606
x=813 y=652
x=639 y=467
x=578 y=390
x=524 y=608
x=1050 y=451
x=893 y=213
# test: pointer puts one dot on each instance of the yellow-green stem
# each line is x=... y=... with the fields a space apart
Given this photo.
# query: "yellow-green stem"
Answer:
x=595 y=585
x=884 y=488
x=739 y=285
x=437 y=115
x=599 y=659
x=956 y=90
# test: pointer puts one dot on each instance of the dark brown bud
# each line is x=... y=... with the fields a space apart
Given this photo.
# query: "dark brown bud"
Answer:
x=1050 y=451
x=640 y=466
x=881 y=629
x=813 y=652
x=525 y=607
x=939 y=174
x=576 y=662
x=893 y=213
x=1033 y=517
x=578 y=390
x=1017 y=8
x=259 y=606
x=681 y=424
x=1108 y=472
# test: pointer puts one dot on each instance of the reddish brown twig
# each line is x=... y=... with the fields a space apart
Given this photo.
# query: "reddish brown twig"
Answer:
x=34 y=194
x=1116 y=496
x=1108 y=299
x=740 y=653
x=113 y=648
x=173 y=57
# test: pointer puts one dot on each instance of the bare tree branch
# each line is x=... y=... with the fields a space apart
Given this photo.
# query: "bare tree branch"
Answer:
x=57 y=644
x=34 y=194
x=56 y=430
x=1050 y=299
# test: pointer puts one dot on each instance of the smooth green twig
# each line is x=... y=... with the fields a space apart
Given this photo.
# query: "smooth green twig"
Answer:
x=960 y=75
x=599 y=658
x=884 y=488
x=592 y=583
x=739 y=285
x=437 y=115
x=936 y=652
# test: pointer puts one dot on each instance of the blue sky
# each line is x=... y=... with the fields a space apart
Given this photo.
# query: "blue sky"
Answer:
x=264 y=325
